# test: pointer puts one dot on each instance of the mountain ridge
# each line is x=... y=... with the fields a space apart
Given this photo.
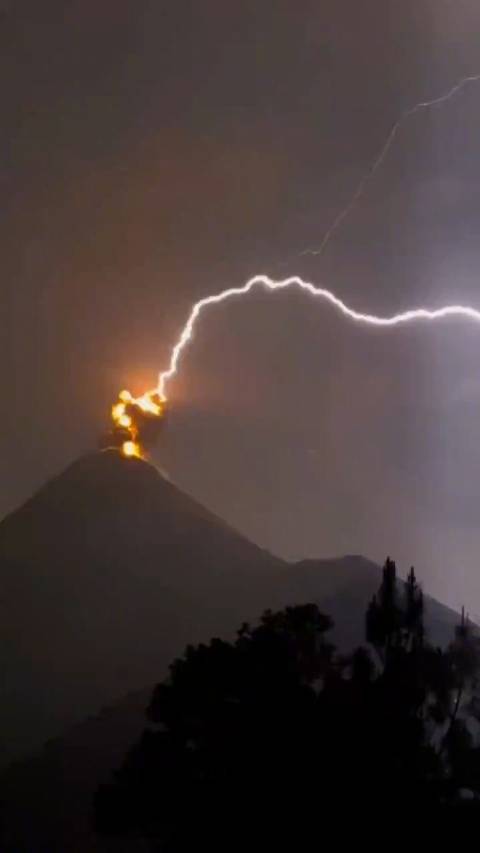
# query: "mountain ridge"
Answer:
x=109 y=570
x=106 y=574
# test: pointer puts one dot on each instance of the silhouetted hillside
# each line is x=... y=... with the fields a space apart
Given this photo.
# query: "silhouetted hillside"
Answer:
x=46 y=800
x=106 y=574
x=109 y=570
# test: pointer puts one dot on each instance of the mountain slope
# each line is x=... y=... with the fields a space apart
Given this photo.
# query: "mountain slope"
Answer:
x=106 y=574
x=344 y=586
x=48 y=798
x=109 y=571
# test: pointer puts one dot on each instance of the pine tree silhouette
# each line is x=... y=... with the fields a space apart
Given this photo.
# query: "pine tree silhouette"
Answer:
x=259 y=734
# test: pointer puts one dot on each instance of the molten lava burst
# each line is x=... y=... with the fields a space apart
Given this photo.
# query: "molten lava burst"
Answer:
x=132 y=417
x=131 y=448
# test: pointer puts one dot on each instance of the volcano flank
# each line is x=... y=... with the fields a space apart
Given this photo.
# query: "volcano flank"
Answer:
x=110 y=570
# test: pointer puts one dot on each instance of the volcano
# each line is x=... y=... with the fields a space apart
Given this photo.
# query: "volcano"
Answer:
x=110 y=570
x=106 y=574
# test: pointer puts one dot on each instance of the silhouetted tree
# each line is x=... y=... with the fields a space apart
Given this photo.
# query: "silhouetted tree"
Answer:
x=275 y=732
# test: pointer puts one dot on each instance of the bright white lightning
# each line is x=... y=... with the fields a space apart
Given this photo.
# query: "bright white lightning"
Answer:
x=294 y=281
x=320 y=292
x=380 y=158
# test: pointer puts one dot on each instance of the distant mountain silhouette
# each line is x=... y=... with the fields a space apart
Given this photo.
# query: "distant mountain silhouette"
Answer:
x=343 y=587
x=106 y=574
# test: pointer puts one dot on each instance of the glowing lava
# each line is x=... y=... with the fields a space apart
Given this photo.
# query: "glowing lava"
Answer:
x=131 y=448
x=132 y=420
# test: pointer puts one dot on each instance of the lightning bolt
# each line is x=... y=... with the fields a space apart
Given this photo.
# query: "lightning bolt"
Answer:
x=425 y=314
x=381 y=156
x=187 y=332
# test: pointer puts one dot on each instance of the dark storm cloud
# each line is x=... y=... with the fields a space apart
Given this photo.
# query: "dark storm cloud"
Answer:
x=154 y=152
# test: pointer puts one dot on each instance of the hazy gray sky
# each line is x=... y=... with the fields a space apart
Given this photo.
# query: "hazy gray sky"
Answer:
x=154 y=152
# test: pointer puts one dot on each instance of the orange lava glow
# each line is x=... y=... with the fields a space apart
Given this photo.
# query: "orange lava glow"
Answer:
x=131 y=449
x=130 y=416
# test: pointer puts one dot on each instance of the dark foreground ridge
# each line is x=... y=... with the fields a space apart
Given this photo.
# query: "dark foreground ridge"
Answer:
x=107 y=573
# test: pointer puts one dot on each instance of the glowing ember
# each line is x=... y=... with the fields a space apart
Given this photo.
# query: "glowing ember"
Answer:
x=135 y=420
x=118 y=411
x=150 y=402
x=131 y=449
x=125 y=421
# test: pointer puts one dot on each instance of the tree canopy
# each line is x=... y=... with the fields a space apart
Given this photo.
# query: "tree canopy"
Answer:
x=275 y=733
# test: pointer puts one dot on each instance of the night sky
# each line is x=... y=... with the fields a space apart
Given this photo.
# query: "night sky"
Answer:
x=153 y=152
